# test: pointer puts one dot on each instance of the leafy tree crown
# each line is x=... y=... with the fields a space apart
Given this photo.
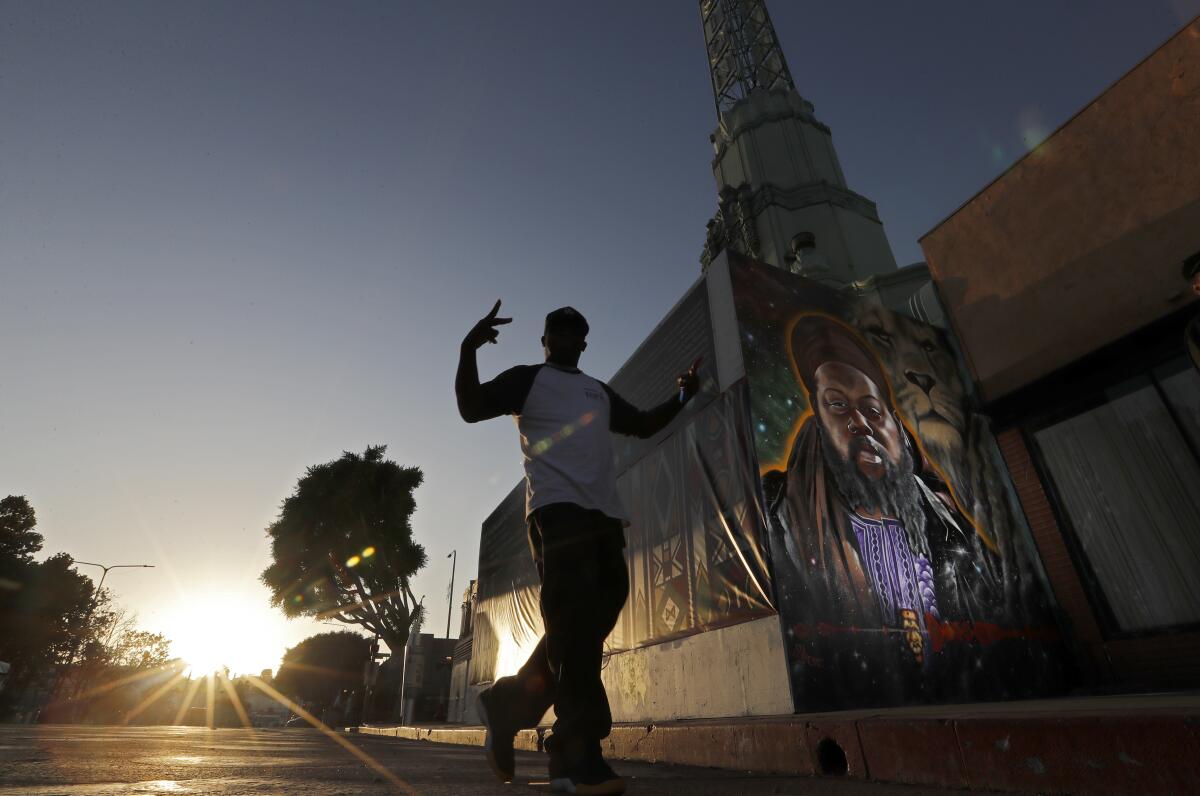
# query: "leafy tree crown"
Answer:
x=342 y=546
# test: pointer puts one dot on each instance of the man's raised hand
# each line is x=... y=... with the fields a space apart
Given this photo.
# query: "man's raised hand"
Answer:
x=485 y=331
x=689 y=383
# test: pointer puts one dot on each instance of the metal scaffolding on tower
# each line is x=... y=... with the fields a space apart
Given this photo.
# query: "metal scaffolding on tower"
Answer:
x=743 y=50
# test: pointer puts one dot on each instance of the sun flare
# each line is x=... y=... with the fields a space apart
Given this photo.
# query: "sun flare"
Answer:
x=217 y=630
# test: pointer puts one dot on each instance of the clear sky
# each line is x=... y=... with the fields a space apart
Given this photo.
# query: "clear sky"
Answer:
x=239 y=238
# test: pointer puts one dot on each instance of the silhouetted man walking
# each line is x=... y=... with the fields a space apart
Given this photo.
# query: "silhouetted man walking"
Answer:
x=576 y=532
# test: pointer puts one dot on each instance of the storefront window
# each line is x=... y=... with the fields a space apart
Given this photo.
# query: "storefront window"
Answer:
x=1128 y=475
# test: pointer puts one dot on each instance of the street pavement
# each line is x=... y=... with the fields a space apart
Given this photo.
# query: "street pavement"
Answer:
x=98 y=761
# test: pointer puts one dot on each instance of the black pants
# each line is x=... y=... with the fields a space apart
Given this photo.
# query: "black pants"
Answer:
x=581 y=562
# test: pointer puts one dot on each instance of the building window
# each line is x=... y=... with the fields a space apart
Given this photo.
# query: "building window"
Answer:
x=1126 y=472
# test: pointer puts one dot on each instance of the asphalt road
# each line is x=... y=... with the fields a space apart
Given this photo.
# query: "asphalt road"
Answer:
x=95 y=761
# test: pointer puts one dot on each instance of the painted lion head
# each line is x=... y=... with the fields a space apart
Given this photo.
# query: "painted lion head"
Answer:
x=928 y=388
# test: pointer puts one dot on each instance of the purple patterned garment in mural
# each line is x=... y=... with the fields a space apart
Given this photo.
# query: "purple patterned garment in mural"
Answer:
x=902 y=580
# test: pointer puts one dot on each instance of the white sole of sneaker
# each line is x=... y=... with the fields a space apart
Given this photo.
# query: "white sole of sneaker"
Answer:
x=567 y=785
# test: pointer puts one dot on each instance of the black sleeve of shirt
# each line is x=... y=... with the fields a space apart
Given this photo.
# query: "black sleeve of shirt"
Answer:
x=625 y=418
x=506 y=394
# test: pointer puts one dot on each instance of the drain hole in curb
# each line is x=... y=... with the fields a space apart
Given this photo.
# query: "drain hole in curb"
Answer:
x=831 y=758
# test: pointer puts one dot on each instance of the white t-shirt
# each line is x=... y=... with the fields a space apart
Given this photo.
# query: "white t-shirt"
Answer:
x=565 y=417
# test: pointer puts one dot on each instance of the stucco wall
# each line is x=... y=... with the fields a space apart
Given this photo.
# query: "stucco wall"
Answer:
x=1081 y=241
x=739 y=670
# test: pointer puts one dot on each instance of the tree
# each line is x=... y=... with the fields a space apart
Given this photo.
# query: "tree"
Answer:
x=40 y=622
x=46 y=611
x=18 y=543
x=322 y=666
x=118 y=643
x=119 y=667
x=342 y=546
x=18 y=540
x=42 y=605
x=141 y=649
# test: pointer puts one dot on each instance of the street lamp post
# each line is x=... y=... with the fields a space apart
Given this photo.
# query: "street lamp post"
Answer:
x=87 y=618
x=96 y=599
x=450 y=591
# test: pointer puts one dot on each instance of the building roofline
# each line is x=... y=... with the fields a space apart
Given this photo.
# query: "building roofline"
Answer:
x=1186 y=27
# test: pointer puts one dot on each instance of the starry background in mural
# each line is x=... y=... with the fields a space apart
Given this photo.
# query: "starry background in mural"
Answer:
x=766 y=299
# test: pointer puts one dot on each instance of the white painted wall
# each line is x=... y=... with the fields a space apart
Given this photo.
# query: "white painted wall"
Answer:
x=739 y=670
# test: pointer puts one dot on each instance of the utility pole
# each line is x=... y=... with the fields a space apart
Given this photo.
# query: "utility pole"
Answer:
x=450 y=591
x=404 y=669
x=366 y=713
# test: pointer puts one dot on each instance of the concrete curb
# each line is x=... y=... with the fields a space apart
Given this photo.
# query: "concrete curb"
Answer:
x=1133 y=754
x=527 y=740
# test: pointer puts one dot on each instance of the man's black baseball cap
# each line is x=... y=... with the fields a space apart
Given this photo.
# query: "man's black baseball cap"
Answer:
x=567 y=319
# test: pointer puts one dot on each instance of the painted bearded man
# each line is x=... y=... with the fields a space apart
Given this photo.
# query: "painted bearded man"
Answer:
x=879 y=548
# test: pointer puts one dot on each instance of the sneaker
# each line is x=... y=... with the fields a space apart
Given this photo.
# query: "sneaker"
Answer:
x=498 y=743
x=558 y=763
x=593 y=778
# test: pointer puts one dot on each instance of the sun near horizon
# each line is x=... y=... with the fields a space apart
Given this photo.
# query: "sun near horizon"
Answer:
x=216 y=628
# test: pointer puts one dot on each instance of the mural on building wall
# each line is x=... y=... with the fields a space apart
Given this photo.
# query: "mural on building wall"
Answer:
x=901 y=570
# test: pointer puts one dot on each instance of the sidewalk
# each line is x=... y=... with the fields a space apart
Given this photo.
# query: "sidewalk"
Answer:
x=1142 y=744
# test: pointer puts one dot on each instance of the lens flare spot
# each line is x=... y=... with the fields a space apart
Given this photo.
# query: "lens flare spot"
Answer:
x=368 y=552
x=1032 y=128
x=353 y=561
x=545 y=444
